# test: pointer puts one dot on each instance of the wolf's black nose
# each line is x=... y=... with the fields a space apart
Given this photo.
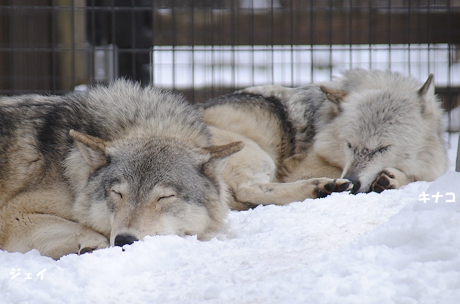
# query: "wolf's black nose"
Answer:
x=356 y=186
x=125 y=239
x=356 y=183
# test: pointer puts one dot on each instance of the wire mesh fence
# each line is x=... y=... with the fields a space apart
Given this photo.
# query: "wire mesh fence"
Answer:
x=206 y=48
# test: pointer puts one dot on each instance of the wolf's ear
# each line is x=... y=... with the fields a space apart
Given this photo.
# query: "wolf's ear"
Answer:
x=427 y=97
x=91 y=148
x=218 y=155
x=427 y=87
x=334 y=95
x=224 y=150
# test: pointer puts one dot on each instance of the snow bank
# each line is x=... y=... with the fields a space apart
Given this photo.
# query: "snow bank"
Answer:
x=366 y=248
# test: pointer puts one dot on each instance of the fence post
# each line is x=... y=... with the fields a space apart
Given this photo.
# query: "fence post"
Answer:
x=457 y=167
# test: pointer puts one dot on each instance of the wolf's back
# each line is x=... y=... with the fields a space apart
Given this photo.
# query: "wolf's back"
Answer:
x=125 y=106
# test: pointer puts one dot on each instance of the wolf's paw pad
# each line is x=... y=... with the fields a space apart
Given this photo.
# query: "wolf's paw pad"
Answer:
x=384 y=181
x=324 y=188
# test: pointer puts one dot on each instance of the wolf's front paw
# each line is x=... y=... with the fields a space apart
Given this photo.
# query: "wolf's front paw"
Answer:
x=86 y=250
x=91 y=240
x=326 y=186
x=385 y=180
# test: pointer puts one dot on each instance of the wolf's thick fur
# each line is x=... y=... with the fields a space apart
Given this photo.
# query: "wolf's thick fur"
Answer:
x=82 y=171
x=377 y=129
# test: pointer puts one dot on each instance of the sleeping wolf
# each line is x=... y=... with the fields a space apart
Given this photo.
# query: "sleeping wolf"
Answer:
x=82 y=171
x=377 y=129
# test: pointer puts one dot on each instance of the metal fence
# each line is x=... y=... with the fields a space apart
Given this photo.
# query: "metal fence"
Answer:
x=206 y=48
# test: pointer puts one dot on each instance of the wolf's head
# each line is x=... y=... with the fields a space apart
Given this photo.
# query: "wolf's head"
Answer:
x=388 y=122
x=150 y=186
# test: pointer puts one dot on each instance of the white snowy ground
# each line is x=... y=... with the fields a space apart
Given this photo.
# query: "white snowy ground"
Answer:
x=365 y=248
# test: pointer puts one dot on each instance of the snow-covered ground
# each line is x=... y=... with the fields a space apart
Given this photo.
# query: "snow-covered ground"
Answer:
x=366 y=248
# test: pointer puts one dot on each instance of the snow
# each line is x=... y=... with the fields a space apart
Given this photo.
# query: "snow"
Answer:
x=367 y=248
x=202 y=66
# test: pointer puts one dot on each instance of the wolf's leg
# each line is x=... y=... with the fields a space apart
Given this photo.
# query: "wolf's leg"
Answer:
x=308 y=166
x=284 y=193
x=51 y=235
x=251 y=174
x=389 y=178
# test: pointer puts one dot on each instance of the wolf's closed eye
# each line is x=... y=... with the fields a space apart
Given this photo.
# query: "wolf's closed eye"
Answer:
x=382 y=149
x=165 y=197
x=117 y=194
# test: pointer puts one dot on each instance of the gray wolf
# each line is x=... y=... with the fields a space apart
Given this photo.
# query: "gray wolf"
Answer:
x=107 y=167
x=375 y=129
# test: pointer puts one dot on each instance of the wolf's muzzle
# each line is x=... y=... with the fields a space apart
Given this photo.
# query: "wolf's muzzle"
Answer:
x=355 y=180
x=125 y=239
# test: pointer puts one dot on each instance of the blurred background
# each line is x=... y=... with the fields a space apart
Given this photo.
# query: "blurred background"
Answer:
x=206 y=48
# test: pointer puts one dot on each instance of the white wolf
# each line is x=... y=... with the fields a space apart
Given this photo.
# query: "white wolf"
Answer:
x=377 y=129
